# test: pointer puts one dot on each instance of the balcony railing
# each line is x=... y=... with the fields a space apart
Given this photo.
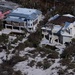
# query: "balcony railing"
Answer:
x=15 y=24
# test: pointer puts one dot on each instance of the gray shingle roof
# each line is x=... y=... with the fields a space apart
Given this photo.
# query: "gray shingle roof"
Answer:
x=23 y=14
x=38 y=12
x=28 y=17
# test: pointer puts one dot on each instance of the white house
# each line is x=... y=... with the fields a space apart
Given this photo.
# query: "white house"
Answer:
x=24 y=18
x=68 y=32
x=60 y=29
x=8 y=4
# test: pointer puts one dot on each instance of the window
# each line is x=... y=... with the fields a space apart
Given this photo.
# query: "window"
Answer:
x=44 y=30
x=31 y=24
x=30 y=28
x=15 y=23
x=16 y=28
x=56 y=40
x=10 y=27
x=21 y=24
x=62 y=31
x=28 y=24
x=9 y=22
x=35 y=22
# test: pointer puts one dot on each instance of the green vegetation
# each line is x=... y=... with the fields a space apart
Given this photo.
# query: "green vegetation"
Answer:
x=35 y=38
x=46 y=5
x=1 y=25
x=67 y=56
x=3 y=38
x=47 y=53
x=32 y=63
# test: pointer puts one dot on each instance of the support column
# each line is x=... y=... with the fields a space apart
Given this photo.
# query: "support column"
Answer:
x=19 y=27
x=58 y=40
x=5 y=25
x=49 y=38
x=52 y=39
x=44 y=35
x=12 y=27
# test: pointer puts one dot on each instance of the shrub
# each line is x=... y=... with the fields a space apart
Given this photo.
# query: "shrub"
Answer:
x=65 y=61
x=68 y=52
x=32 y=63
x=53 y=55
x=61 y=72
x=39 y=64
x=47 y=37
x=71 y=66
x=3 y=38
x=45 y=51
x=46 y=64
x=28 y=44
x=42 y=55
x=17 y=73
x=73 y=41
x=15 y=41
x=21 y=46
x=35 y=38
x=1 y=25
x=14 y=60
x=50 y=47
x=6 y=69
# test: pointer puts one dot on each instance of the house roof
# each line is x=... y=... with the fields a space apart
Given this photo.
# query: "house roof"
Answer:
x=57 y=22
x=26 y=11
x=68 y=15
x=3 y=9
x=60 y=20
x=56 y=28
x=66 y=25
x=8 y=4
x=29 y=14
x=32 y=16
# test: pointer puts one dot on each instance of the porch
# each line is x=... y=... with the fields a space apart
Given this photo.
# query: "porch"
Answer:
x=14 y=24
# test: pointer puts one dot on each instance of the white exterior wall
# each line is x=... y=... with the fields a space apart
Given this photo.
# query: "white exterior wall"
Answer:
x=73 y=30
x=30 y=25
x=66 y=39
x=40 y=17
